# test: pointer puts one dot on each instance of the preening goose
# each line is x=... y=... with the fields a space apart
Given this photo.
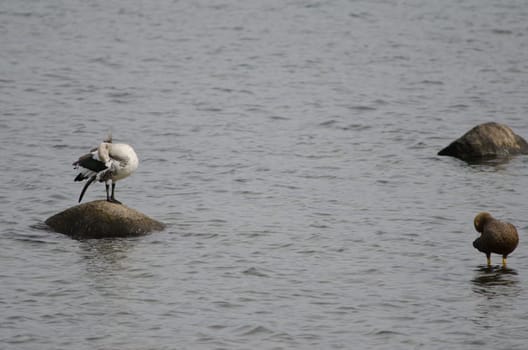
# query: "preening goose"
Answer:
x=497 y=237
x=108 y=163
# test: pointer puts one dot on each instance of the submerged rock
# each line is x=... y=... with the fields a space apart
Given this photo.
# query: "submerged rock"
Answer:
x=101 y=219
x=489 y=140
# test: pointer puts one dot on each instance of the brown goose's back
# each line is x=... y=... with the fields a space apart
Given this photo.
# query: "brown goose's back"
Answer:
x=497 y=237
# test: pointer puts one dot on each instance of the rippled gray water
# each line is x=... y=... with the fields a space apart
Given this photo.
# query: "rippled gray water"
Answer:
x=290 y=146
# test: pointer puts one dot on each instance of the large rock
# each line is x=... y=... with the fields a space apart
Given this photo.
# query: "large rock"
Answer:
x=100 y=219
x=489 y=140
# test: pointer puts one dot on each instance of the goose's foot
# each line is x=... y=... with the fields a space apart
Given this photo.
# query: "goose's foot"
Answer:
x=113 y=200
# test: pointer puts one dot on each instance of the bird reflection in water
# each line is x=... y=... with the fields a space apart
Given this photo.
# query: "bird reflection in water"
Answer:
x=495 y=281
x=496 y=294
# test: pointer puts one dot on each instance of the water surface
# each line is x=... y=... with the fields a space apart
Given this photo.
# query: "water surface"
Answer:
x=290 y=147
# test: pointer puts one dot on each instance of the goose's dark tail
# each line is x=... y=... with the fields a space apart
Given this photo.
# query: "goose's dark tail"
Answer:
x=92 y=179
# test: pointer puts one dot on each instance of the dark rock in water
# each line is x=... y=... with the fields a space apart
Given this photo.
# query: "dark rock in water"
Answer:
x=489 y=140
x=101 y=219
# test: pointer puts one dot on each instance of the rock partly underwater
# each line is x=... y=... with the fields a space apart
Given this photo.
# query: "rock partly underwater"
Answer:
x=101 y=219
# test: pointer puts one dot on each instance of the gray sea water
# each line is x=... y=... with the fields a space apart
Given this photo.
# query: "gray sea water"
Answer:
x=290 y=147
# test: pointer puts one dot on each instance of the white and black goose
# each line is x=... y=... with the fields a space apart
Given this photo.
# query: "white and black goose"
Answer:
x=108 y=163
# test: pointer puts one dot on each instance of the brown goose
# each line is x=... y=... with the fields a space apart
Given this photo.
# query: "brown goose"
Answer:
x=497 y=237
